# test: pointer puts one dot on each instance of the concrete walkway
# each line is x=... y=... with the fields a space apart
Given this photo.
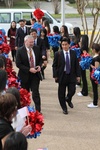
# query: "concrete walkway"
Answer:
x=79 y=130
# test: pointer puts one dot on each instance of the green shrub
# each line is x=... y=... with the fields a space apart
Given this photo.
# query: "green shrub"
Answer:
x=71 y=1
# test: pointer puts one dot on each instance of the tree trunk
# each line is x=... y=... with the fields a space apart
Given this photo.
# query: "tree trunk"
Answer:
x=94 y=27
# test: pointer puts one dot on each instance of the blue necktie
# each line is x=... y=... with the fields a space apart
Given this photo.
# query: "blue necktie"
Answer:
x=67 y=64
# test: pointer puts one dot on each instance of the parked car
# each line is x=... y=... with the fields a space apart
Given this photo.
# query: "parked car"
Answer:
x=9 y=15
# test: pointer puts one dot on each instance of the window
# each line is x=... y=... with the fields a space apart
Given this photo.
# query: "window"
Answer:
x=27 y=15
x=17 y=17
x=5 y=17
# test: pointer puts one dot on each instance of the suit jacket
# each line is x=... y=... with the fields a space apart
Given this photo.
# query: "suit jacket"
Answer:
x=19 y=40
x=59 y=64
x=22 y=62
x=41 y=44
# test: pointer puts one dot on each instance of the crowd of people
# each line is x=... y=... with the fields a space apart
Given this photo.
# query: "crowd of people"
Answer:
x=30 y=46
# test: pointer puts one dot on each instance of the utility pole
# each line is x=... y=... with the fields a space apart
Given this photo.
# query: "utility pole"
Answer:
x=63 y=12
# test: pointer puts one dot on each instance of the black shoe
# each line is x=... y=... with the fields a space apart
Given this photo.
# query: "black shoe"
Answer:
x=65 y=112
x=70 y=104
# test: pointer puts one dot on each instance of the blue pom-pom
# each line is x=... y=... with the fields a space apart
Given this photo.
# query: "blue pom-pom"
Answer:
x=54 y=40
x=3 y=32
x=78 y=52
x=34 y=135
x=96 y=75
x=31 y=109
x=85 y=62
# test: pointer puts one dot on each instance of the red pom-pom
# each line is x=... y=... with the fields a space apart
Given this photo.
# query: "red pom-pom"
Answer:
x=6 y=48
x=38 y=13
x=24 y=97
x=36 y=121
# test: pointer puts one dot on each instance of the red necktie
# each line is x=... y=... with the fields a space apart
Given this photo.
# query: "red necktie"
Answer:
x=31 y=59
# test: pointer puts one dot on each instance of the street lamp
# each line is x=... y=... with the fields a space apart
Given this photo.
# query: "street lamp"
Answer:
x=63 y=11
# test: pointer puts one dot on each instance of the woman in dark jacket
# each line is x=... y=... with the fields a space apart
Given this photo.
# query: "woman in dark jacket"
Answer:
x=84 y=49
x=11 y=35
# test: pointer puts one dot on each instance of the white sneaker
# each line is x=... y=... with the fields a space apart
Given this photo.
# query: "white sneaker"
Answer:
x=77 y=86
x=91 y=105
x=79 y=94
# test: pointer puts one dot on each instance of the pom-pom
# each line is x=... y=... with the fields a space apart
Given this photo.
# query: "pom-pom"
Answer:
x=95 y=75
x=24 y=97
x=6 y=48
x=2 y=32
x=38 y=13
x=78 y=52
x=36 y=120
x=54 y=40
x=85 y=61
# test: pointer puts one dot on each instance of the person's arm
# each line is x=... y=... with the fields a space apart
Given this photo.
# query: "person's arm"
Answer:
x=55 y=65
x=16 y=39
x=77 y=67
x=43 y=48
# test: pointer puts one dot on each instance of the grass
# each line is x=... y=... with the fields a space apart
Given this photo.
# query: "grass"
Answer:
x=57 y=16
x=21 y=4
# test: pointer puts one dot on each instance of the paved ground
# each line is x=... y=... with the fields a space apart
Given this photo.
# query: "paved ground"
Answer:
x=49 y=6
x=79 y=130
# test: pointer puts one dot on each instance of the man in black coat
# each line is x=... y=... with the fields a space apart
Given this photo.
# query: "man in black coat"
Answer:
x=66 y=71
x=21 y=32
x=29 y=72
x=39 y=42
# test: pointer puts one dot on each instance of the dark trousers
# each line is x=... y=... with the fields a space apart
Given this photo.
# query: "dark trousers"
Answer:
x=13 y=53
x=66 y=82
x=55 y=49
x=95 y=92
x=84 y=81
x=33 y=85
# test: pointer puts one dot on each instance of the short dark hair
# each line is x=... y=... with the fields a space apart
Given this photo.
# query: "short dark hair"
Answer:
x=4 y=59
x=3 y=79
x=66 y=39
x=16 y=93
x=8 y=104
x=33 y=19
x=15 y=141
x=56 y=29
x=33 y=30
x=96 y=47
x=21 y=20
x=1 y=63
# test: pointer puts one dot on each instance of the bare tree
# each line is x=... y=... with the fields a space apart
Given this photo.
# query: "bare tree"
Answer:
x=9 y=3
x=95 y=10
x=36 y=3
x=56 y=5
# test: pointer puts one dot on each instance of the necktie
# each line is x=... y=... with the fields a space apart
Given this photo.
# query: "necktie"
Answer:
x=67 y=64
x=31 y=59
x=34 y=42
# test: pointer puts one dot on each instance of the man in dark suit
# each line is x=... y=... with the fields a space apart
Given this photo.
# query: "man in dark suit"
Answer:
x=66 y=71
x=21 y=32
x=29 y=68
x=39 y=42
